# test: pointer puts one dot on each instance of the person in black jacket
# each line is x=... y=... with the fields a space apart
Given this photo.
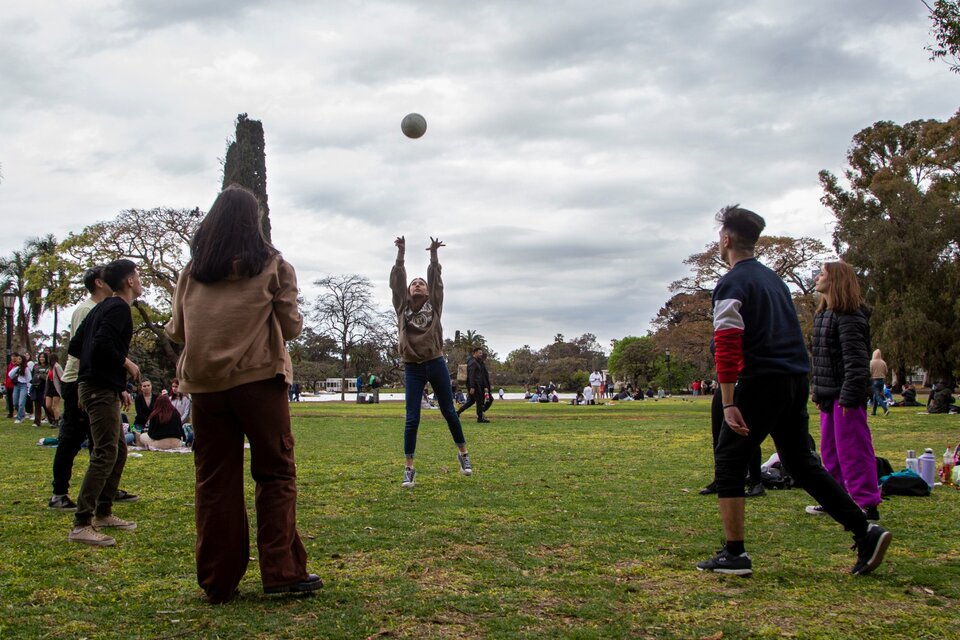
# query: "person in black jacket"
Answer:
x=101 y=343
x=842 y=386
x=478 y=385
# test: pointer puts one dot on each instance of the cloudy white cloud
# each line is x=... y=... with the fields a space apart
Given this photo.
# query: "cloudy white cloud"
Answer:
x=575 y=154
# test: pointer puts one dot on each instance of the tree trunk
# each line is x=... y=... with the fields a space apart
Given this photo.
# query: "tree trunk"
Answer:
x=165 y=342
x=56 y=317
x=343 y=372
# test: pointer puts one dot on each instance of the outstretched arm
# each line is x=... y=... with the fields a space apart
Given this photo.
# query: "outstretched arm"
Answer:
x=398 y=276
x=434 y=245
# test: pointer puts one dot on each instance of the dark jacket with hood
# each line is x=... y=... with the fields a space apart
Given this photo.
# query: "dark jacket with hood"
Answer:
x=841 y=358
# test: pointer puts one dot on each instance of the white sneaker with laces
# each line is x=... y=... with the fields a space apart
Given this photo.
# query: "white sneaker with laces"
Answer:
x=89 y=535
x=114 y=522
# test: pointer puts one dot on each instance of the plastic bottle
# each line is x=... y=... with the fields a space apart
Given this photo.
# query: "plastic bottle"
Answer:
x=946 y=471
x=912 y=463
x=928 y=467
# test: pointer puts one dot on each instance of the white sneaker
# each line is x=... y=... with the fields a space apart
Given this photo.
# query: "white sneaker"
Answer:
x=114 y=522
x=465 y=467
x=408 y=475
x=17 y=421
x=88 y=535
x=815 y=510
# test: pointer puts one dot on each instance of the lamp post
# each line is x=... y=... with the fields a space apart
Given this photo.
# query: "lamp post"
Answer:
x=668 y=372
x=9 y=299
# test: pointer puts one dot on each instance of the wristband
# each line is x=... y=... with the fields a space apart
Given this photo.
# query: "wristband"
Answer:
x=727 y=406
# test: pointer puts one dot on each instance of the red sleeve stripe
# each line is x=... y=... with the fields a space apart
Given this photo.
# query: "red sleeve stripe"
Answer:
x=728 y=349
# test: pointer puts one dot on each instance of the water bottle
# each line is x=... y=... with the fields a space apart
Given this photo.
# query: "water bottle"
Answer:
x=946 y=471
x=912 y=463
x=928 y=467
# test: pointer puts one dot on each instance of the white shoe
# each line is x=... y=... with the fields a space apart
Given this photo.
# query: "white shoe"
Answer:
x=89 y=535
x=114 y=522
x=408 y=475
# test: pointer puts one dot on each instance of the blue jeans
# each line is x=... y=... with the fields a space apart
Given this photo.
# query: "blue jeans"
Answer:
x=415 y=378
x=878 y=398
x=20 y=391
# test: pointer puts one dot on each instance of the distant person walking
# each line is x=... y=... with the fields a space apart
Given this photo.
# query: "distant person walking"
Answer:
x=878 y=375
x=841 y=386
x=478 y=386
x=419 y=306
x=762 y=367
x=234 y=307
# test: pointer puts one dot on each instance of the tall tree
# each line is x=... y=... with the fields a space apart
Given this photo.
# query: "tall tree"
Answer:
x=246 y=164
x=158 y=241
x=345 y=312
x=52 y=281
x=945 y=19
x=898 y=225
x=14 y=269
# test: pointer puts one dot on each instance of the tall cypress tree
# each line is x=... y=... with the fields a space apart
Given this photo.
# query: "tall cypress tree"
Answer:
x=246 y=164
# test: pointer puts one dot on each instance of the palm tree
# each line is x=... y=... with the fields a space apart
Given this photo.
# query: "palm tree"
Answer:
x=49 y=280
x=14 y=268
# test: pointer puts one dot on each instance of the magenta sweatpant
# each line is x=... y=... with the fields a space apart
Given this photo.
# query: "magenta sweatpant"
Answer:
x=847 y=450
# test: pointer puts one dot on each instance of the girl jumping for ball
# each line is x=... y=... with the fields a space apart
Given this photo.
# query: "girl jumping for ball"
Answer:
x=418 y=308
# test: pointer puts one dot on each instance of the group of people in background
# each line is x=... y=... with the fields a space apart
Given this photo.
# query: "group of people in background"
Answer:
x=34 y=388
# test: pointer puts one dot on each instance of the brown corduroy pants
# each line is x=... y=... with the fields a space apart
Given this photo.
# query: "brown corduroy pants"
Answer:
x=259 y=411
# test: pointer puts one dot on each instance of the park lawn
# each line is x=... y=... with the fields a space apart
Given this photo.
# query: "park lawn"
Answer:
x=579 y=522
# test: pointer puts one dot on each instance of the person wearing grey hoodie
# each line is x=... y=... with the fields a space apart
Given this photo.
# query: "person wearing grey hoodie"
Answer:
x=420 y=337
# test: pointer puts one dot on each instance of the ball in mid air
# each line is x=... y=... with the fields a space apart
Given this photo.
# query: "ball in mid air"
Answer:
x=413 y=125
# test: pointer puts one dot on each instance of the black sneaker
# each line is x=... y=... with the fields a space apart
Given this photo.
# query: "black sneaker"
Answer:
x=872 y=513
x=483 y=421
x=123 y=496
x=62 y=503
x=755 y=491
x=870 y=549
x=409 y=476
x=312 y=583
x=709 y=489
x=726 y=562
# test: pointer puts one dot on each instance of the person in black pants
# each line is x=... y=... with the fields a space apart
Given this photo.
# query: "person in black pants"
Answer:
x=478 y=386
x=74 y=423
x=754 y=485
x=762 y=366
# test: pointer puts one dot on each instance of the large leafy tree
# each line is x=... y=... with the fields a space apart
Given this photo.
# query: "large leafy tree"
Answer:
x=157 y=240
x=898 y=224
x=634 y=359
x=246 y=164
x=945 y=19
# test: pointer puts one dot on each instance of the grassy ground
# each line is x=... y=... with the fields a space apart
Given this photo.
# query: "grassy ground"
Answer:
x=580 y=522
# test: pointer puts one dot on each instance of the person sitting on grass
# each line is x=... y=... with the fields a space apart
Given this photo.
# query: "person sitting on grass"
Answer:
x=143 y=403
x=418 y=307
x=909 y=395
x=941 y=399
x=164 y=427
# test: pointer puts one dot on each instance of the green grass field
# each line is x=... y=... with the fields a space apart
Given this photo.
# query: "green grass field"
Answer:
x=579 y=522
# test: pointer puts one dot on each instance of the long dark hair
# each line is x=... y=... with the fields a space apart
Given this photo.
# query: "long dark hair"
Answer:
x=163 y=409
x=230 y=233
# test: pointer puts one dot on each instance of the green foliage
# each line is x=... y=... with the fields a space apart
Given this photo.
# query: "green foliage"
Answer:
x=246 y=164
x=634 y=359
x=898 y=224
x=558 y=362
x=945 y=19
x=580 y=522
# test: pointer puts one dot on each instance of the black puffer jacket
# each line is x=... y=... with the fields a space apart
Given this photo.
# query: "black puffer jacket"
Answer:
x=841 y=358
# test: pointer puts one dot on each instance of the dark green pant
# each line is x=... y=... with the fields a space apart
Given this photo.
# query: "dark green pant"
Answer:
x=108 y=453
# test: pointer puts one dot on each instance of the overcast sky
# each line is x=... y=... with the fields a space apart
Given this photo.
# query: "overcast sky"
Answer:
x=576 y=151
